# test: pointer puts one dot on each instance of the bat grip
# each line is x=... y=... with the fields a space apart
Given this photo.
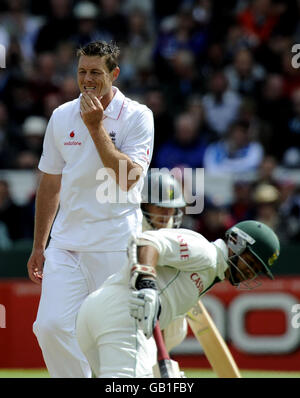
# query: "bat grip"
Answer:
x=162 y=352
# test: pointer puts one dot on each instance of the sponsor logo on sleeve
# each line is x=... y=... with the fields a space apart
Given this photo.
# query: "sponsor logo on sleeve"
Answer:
x=183 y=247
x=195 y=277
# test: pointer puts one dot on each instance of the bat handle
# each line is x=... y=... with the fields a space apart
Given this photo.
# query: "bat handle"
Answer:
x=162 y=352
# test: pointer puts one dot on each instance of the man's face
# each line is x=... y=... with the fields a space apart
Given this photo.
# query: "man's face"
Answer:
x=248 y=267
x=160 y=216
x=94 y=77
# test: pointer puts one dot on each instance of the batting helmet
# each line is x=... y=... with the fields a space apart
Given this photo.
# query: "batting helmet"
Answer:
x=258 y=238
x=163 y=190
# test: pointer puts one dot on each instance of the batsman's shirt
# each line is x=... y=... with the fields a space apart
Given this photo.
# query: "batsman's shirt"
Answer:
x=94 y=213
x=188 y=265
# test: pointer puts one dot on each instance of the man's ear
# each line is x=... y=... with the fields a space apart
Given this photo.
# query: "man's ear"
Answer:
x=115 y=73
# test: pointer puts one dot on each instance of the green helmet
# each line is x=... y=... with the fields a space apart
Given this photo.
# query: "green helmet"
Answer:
x=163 y=190
x=258 y=238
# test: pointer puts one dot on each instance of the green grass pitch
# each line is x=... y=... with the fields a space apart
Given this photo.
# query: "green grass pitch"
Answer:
x=42 y=373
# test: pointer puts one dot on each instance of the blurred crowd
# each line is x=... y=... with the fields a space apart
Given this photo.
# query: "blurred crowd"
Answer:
x=218 y=76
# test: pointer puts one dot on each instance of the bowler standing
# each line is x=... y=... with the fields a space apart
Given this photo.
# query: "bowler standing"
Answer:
x=101 y=131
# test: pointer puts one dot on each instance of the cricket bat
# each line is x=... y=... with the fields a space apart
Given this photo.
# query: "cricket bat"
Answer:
x=165 y=368
x=213 y=344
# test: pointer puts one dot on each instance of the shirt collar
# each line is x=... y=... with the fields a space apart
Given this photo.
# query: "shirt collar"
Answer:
x=222 y=257
x=114 y=108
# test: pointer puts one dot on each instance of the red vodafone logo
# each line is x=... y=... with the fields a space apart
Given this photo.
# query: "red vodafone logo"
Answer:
x=72 y=135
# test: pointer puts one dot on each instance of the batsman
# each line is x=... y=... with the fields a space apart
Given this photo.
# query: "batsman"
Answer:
x=162 y=205
x=168 y=271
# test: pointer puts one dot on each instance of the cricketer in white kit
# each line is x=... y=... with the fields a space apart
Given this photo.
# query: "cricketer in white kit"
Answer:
x=97 y=131
x=173 y=269
x=162 y=204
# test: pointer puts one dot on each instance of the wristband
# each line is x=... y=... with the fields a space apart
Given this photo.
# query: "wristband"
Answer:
x=143 y=283
x=138 y=270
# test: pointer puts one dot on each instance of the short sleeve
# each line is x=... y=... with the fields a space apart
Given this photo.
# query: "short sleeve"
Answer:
x=138 y=144
x=51 y=160
x=180 y=248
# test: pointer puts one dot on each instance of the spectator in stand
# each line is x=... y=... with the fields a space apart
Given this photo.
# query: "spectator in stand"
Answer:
x=266 y=172
x=274 y=110
x=181 y=32
x=187 y=147
x=86 y=15
x=65 y=61
x=19 y=99
x=34 y=129
x=113 y=21
x=214 y=60
x=69 y=89
x=287 y=188
x=266 y=202
x=295 y=33
x=258 y=21
x=244 y=75
x=59 y=26
x=291 y=143
x=8 y=138
x=195 y=108
x=146 y=6
x=26 y=160
x=15 y=59
x=10 y=213
x=291 y=75
x=137 y=51
x=221 y=105
x=183 y=80
x=236 y=153
x=163 y=10
x=289 y=213
x=242 y=207
x=44 y=79
x=248 y=115
x=19 y=24
x=163 y=121
x=235 y=40
x=50 y=102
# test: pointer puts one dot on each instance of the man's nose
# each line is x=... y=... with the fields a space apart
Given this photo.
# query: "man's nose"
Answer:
x=88 y=77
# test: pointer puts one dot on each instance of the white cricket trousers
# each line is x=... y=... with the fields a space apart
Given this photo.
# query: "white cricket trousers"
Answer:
x=110 y=337
x=68 y=278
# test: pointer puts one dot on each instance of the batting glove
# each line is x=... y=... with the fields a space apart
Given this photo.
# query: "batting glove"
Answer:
x=144 y=306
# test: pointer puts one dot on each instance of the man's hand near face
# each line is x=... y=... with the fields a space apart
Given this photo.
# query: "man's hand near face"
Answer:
x=91 y=111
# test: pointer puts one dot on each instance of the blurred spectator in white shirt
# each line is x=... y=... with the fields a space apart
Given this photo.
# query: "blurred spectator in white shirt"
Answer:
x=236 y=153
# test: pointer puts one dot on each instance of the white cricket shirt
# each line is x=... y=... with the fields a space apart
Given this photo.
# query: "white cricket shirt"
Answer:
x=87 y=219
x=188 y=265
